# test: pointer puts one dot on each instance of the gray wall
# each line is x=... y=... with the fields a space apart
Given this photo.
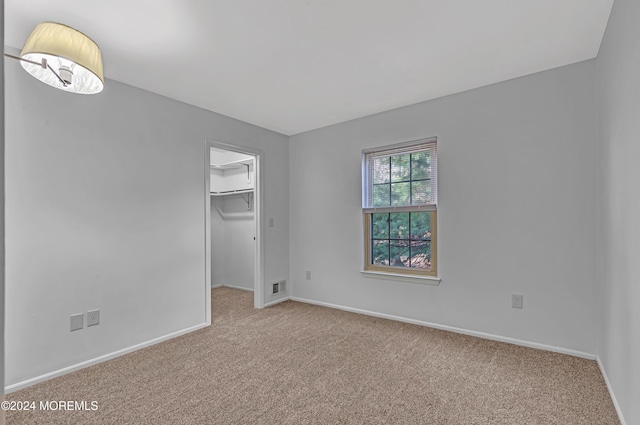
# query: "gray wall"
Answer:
x=105 y=209
x=618 y=274
x=516 y=210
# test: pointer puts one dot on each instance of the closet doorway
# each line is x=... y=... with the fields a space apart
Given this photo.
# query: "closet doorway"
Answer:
x=233 y=224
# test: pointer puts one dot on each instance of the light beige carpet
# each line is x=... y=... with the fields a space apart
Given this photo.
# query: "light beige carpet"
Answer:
x=299 y=364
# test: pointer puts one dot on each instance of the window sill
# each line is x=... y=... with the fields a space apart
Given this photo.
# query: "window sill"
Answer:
x=429 y=280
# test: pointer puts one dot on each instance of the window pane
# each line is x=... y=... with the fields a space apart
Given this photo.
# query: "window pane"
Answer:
x=420 y=225
x=400 y=253
x=380 y=226
x=380 y=253
x=381 y=170
x=400 y=168
x=420 y=165
x=421 y=255
x=400 y=193
x=399 y=225
x=381 y=196
x=420 y=192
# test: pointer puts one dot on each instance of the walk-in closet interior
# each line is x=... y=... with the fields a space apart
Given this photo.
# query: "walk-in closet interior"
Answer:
x=233 y=226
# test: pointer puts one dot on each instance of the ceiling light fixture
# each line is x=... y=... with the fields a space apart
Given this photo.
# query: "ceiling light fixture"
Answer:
x=64 y=58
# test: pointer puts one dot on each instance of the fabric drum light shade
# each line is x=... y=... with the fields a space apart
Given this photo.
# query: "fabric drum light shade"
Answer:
x=72 y=55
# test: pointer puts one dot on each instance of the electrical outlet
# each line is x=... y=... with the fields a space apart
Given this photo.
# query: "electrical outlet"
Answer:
x=93 y=317
x=308 y=275
x=76 y=321
x=270 y=222
x=516 y=301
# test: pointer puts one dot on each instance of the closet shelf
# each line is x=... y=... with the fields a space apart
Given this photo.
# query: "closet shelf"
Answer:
x=231 y=192
x=241 y=163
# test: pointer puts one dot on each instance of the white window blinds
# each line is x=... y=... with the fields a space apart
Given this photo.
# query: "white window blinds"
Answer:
x=400 y=177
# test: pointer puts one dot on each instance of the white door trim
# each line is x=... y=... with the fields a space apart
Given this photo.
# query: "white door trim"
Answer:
x=258 y=281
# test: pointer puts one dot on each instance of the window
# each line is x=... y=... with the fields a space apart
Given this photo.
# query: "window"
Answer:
x=399 y=203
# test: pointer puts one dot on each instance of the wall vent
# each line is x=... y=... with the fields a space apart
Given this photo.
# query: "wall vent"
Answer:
x=278 y=287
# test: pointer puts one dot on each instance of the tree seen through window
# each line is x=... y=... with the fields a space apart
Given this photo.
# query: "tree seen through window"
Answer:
x=401 y=239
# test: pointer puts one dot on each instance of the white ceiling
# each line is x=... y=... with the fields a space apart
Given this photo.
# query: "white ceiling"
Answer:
x=295 y=65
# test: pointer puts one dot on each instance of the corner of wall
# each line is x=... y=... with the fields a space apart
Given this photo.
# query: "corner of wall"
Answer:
x=610 y=389
x=2 y=219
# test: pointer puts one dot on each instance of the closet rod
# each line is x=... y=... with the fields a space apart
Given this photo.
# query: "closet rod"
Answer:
x=231 y=192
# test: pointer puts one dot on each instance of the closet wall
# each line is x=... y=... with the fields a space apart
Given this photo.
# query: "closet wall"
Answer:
x=232 y=220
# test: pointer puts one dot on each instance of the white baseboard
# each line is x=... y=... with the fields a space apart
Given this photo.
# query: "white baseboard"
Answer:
x=27 y=383
x=242 y=288
x=613 y=396
x=278 y=301
x=232 y=286
x=453 y=329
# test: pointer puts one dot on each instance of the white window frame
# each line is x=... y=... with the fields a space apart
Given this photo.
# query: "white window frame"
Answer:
x=368 y=209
